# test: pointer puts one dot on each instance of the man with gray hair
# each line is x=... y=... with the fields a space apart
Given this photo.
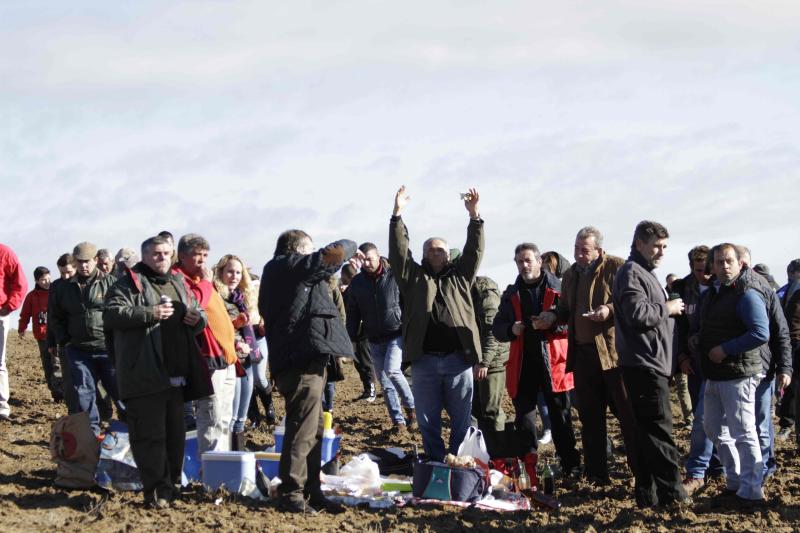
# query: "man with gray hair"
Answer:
x=586 y=307
x=216 y=343
x=441 y=339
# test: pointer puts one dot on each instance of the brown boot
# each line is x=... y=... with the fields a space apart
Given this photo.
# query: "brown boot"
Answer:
x=237 y=442
x=411 y=417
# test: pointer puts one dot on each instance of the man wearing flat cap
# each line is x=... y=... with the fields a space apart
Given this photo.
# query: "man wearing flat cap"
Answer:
x=77 y=323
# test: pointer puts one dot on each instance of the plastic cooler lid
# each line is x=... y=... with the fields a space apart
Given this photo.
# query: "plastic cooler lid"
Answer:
x=228 y=456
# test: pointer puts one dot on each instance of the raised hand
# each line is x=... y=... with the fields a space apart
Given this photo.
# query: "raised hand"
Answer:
x=400 y=200
x=471 y=203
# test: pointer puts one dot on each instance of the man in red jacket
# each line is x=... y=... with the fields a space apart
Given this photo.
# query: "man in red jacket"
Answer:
x=13 y=287
x=34 y=310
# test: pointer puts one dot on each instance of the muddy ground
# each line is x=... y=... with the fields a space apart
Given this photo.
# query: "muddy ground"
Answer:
x=30 y=502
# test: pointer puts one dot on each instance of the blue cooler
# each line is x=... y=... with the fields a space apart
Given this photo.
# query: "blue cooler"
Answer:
x=330 y=445
x=228 y=470
x=191 y=459
x=268 y=463
x=278 y=434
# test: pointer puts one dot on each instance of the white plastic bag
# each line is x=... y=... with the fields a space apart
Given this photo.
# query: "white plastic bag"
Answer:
x=474 y=445
x=361 y=474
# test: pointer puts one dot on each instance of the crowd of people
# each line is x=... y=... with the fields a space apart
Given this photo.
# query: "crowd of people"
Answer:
x=168 y=343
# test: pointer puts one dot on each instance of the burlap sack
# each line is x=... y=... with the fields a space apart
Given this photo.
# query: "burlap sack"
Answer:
x=76 y=450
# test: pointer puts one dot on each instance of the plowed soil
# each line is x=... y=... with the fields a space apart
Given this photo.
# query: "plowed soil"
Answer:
x=30 y=502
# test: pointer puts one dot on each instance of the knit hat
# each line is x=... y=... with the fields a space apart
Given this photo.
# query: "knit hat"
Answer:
x=85 y=251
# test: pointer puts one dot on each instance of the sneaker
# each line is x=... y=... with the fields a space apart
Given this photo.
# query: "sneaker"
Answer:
x=369 y=393
x=547 y=438
x=692 y=484
x=784 y=434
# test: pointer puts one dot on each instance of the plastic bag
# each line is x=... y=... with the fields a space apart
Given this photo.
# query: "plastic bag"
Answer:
x=116 y=469
x=474 y=445
x=361 y=474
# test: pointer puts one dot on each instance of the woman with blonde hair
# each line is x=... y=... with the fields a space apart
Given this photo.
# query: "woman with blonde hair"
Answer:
x=232 y=281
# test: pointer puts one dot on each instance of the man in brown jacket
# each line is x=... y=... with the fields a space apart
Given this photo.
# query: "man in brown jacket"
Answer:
x=585 y=305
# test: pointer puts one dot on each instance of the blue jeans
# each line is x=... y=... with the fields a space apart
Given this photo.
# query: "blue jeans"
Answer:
x=442 y=382
x=765 y=392
x=260 y=369
x=86 y=368
x=327 y=396
x=731 y=421
x=544 y=414
x=241 y=400
x=386 y=357
x=702 y=459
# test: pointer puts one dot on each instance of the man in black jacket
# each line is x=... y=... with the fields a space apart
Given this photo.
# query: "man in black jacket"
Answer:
x=303 y=331
x=644 y=343
x=374 y=301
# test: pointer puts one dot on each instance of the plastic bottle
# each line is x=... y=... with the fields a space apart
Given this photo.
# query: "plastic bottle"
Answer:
x=523 y=481
x=327 y=420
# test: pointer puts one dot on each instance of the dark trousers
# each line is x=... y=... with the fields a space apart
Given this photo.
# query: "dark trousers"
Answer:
x=327 y=396
x=70 y=396
x=157 y=436
x=299 y=466
x=52 y=372
x=363 y=362
x=787 y=409
x=595 y=387
x=560 y=419
x=658 y=475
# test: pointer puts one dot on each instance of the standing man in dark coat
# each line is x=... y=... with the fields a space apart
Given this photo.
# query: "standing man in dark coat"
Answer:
x=158 y=364
x=644 y=344
x=304 y=331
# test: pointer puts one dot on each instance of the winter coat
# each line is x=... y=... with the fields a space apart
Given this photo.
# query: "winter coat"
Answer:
x=599 y=294
x=486 y=301
x=138 y=352
x=554 y=342
x=302 y=323
x=419 y=285
x=77 y=318
x=35 y=309
x=375 y=303
x=643 y=328
x=776 y=355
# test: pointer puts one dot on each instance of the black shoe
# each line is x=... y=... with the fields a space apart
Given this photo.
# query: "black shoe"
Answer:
x=155 y=501
x=295 y=504
x=324 y=504
x=269 y=408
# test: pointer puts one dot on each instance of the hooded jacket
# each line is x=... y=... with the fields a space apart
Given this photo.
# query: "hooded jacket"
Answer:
x=776 y=355
x=418 y=286
x=138 y=351
x=302 y=322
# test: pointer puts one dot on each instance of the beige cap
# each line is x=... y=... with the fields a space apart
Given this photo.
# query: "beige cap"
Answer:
x=85 y=251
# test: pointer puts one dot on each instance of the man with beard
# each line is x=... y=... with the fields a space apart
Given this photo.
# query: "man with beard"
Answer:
x=155 y=321
x=644 y=343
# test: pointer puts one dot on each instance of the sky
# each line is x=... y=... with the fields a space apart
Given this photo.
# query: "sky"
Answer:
x=240 y=119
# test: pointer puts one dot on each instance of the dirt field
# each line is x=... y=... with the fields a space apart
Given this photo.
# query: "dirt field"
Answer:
x=29 y=502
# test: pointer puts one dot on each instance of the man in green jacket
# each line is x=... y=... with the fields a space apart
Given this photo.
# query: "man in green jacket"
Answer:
x=159 y=367
x=441 y=339
x=488 y=394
